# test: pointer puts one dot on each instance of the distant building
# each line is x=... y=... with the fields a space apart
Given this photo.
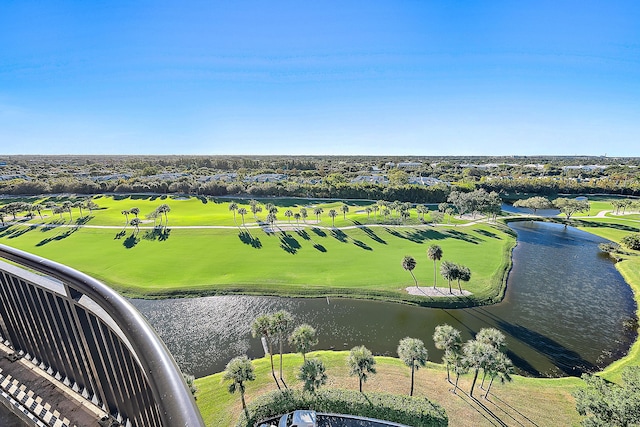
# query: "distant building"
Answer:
x=586 y=168
x=267 y=177
x=409 y=165
x=370 y=179
x=227 y=177
x=424 y=180
x=10 y=177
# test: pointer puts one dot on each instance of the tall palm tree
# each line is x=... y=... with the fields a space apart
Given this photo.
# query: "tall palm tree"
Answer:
x=296 y=216
x=499 y=366
x=495 y=339
x=134 y=211
x=464 y=274
x=281 y=322
x=447 y=338
x=344 y=209
x=233 y=206
x=262 y=327
x=476 y=354
x=239 y=370
x=435 y=254
x=375 y=209
x=368 y=211
x=333 y=214
x=255 y=208
x=361 y=363
x=271 y=218
x=288 y=213
x=126 y=213
x=304 y=214
x=242 y=212
x=449 y=271
x=317 y=212
x=414 y=354
x=409 y=263
x=135 y=222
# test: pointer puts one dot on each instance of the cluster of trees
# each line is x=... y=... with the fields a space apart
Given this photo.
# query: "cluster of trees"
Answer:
x=609 y=404
x=486 y=352
x=474 y=202
x=624 y=204
x=631 y=241
x=14 y=208
x=449 y=270
x=567 y=206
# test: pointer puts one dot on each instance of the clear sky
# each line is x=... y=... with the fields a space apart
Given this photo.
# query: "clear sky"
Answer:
x=372 y=77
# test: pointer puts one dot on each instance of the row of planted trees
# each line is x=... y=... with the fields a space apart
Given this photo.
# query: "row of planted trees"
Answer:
x=31 y=209
x=485 y=353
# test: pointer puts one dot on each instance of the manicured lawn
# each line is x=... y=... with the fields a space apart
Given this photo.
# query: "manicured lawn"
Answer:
x=192 y=256
x=524 y=402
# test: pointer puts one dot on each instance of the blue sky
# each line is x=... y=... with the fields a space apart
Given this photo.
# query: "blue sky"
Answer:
x=298 y=77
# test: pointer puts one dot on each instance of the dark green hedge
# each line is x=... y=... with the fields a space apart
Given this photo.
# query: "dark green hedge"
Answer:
x=413 y=411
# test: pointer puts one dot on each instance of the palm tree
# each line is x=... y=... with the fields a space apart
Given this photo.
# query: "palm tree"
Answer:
x=255 y=208
x=386 y=212
x=304 y=214
x=269 y=207
x=261 y=327
x=409 y=263
x=375 y=209
x=296 y=216
x=361 y=363
x=126 y=213
x=67 y=207
x=242 y=212
x=404 y=214
x=414 y=354
x=459 y=363
x=368 y=211
x=303 y=338
x=78 y=204
x=239 y=370
x=449 y=271
x=135 y=222
x=344 y=209
x=317 y=212
x=464 y=274
x=314 y=375
x=281 y=323
x=288 y=213
x=333 y=214
x=476 y=354
x=499 y=366
x=91 y=205
x=435 y=254
x=495 y=339
x=233 y=206
x=271 y=218
x=447 y=338
x=134 y=211
x=164 y=209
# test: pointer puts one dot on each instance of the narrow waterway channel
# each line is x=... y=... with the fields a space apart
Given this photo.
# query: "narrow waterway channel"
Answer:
x=567 y=310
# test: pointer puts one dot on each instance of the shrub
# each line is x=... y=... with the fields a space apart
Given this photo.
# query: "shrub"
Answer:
x=632 y=241
x=419 y=412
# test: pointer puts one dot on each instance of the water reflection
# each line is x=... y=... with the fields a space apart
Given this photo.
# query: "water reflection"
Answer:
x=566 y=310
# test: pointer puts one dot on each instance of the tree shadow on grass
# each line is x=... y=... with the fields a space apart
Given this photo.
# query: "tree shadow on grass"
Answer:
x=130 y=241
x=157 y=233
x=339 y=235
x=52 y=225
x=362 y=245
x=246 y=238
x=84 y=219
x=463 y=236
x=417 y=236
x=319 y=232
x=57 y=237
x=487 y=233
x=320 y=247
x=373 y=236
x=303 y=234
x=289 y=243
x=13 y=232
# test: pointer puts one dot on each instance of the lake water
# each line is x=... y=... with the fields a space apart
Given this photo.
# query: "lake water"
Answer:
x=566 y=311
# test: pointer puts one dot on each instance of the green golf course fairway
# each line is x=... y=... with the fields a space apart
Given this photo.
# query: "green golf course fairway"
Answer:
x=192 y=257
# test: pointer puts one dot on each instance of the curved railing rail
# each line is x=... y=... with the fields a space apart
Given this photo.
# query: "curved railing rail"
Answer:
x=93 y=338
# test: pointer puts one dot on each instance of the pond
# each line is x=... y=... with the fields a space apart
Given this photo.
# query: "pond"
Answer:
x=566 y=311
